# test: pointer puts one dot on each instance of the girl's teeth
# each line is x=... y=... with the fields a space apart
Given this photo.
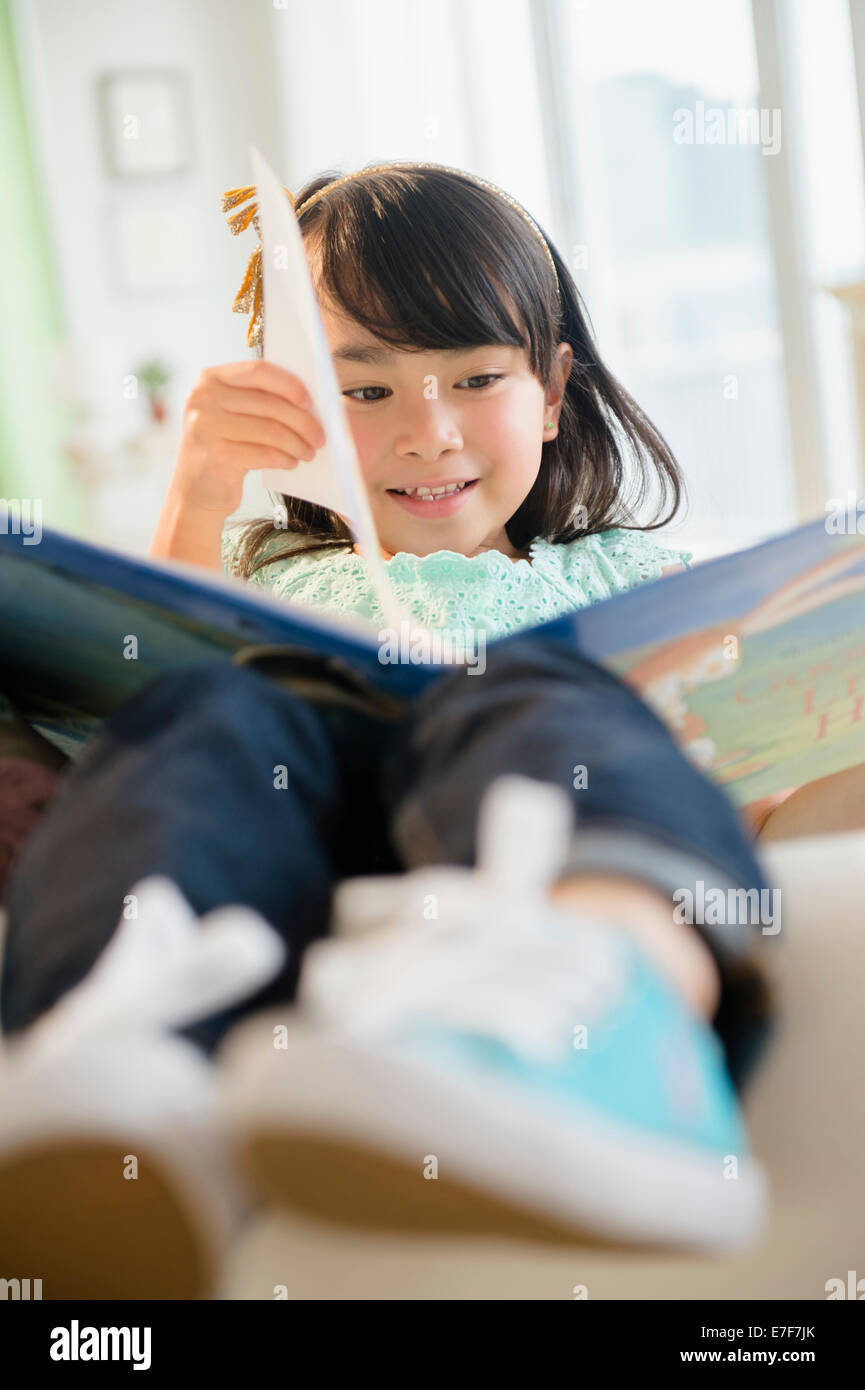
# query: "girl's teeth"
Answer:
x=428 y=493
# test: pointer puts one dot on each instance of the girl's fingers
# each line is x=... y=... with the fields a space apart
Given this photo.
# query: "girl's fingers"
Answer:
x=260 y=376
x=241 y=401
x=258 y=430
x=266 y=389
x=250 y=457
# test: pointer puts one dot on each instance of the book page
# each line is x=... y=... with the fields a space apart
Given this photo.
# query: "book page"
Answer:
x=764 y=689
x=294 y=338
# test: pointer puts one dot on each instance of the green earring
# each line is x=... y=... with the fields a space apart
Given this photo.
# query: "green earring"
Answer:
x=548 y=425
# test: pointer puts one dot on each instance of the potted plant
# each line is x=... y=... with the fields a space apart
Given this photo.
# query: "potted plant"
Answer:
x=154 y=375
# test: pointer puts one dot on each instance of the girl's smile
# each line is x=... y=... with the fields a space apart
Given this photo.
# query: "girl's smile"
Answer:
x=422 y=501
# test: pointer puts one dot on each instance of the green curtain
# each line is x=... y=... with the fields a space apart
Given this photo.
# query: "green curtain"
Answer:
x=32 y=422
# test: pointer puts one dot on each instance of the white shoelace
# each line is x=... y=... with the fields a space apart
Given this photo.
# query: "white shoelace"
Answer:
x=164 y=968
x=499 y=959
x=516 y=968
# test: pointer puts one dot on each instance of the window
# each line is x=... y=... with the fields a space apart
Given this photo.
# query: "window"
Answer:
x=672 y=249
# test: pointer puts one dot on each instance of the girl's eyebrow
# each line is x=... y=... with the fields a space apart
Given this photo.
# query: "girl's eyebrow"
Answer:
x=361 y=352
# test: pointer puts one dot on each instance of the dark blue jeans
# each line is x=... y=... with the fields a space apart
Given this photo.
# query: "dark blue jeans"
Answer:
x=181 y=781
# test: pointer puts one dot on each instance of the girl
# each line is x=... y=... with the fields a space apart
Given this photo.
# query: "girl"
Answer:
x=544 y=1025
x=464 y=367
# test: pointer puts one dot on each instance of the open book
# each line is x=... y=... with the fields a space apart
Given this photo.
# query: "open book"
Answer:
x=756 y=660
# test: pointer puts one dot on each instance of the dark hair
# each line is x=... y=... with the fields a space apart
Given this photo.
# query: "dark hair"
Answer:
x=430 y=259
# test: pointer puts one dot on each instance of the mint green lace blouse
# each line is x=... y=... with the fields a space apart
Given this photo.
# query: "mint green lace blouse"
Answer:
x=457 y=593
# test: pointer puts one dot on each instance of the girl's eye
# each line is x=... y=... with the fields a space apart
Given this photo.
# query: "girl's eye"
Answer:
x=354 y=392
x=487 y=378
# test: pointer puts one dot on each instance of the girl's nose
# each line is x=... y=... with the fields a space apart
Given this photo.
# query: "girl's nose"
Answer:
x=428 y=431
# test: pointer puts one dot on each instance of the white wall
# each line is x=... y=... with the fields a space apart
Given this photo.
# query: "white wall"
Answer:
x=223 y=48
x=451 y=81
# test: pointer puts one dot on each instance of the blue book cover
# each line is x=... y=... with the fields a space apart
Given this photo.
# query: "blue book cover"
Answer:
x=756 y=660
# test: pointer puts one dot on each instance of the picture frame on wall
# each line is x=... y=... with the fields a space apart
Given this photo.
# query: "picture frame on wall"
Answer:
x=145 y=120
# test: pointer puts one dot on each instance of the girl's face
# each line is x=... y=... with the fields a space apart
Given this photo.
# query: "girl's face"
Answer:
x=473 y=417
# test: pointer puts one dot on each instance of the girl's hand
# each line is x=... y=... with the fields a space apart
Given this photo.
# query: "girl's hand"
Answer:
x=239 y=417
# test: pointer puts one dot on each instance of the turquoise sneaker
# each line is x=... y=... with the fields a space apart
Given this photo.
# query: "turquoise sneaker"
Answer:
x=463 y=1059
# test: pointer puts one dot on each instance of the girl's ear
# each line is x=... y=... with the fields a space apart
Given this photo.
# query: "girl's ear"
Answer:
x=561 y=370
x=559 y=374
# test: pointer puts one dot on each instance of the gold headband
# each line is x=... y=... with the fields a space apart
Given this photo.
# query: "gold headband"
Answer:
x=249 y=297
